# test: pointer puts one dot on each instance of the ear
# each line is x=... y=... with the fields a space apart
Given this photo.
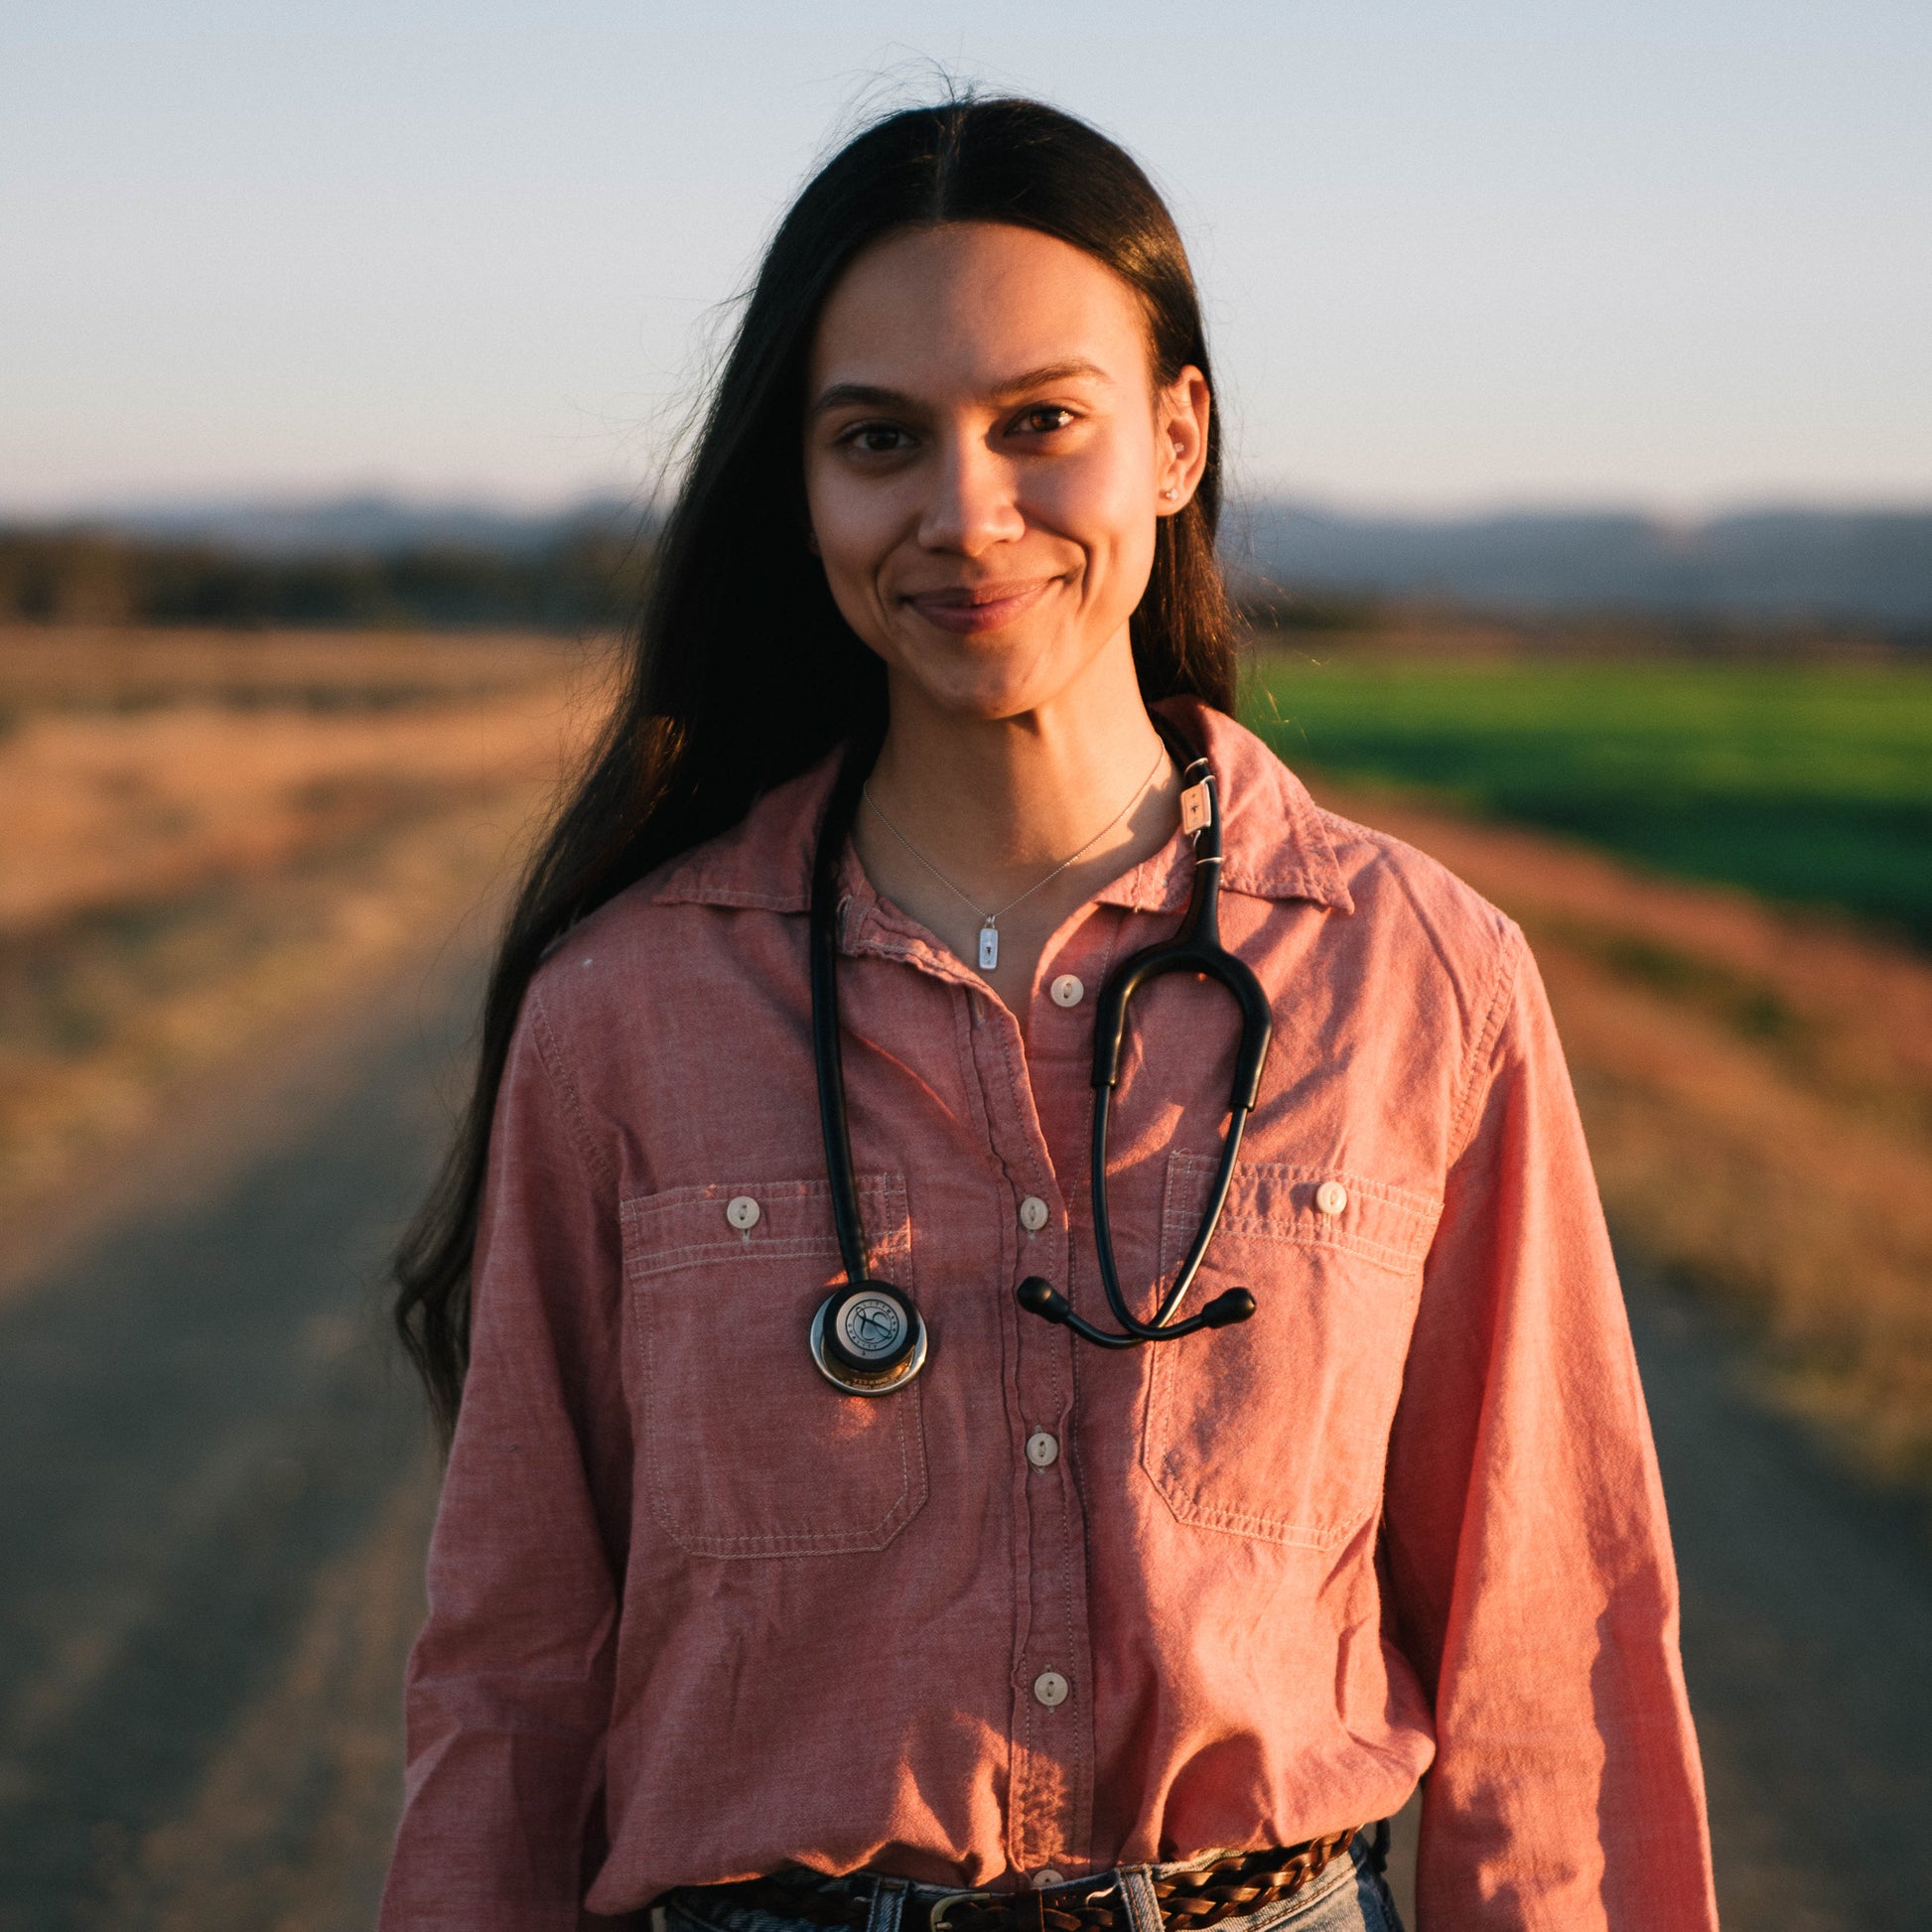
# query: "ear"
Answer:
x=1182 y=411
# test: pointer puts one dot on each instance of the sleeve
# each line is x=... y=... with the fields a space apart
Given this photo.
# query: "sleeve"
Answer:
x=1532 y=1578
x=508 y=1689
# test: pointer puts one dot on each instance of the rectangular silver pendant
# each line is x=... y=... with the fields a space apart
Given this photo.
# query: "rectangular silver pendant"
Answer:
x=988 y=946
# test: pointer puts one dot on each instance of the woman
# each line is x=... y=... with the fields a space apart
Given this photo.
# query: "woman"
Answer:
x=799 y=1562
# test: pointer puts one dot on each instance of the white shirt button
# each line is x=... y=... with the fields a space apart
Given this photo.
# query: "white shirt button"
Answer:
x=1331 y=1197
x=1068 y=991
x=1034 y=1214
x=1043 y=1450
x=743 y=1212
x=1046 y=1877
x=1050 y=1688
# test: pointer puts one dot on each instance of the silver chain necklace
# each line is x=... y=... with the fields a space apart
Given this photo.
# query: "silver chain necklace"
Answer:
x=990 y=930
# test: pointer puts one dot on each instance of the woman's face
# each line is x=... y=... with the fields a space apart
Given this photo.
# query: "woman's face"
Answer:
x=986 y=455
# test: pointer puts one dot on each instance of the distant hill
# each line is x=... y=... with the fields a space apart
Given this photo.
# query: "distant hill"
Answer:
x=1863 y=567
x=1871 y=569
x=362 y=526
x=345 y=565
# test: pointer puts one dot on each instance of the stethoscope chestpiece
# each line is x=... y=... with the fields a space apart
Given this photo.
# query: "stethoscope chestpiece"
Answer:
x=868 y=1338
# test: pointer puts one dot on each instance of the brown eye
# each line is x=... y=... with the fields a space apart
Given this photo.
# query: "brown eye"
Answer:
x=877 y=439
x=1044 y=418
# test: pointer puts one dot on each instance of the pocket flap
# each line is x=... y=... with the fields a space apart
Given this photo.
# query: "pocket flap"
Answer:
x=1389 y=1226
x=684 y=1227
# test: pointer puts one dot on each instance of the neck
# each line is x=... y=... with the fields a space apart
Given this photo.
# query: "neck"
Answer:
x=993 y=803
x=992 y=807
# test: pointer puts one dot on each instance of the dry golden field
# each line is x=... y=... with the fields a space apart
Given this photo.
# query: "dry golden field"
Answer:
x=1757 y=1084
x=206 y=837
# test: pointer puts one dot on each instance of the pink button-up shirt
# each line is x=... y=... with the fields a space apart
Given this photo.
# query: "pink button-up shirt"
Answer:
x=695 y=1615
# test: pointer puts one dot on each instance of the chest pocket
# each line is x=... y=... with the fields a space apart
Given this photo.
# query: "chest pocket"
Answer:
x=1278 y=1428
x=749 y=1451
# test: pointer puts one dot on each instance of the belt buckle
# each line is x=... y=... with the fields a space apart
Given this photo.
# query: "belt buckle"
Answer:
x=940 y=1906
x=1096 y=1884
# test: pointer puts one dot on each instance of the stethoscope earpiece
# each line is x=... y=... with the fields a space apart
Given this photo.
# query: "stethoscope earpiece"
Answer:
x=868 y=1338
x=1037 y=1295
x=1235 y=1305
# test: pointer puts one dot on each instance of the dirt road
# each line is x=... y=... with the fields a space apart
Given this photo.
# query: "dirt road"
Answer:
x=214 y=1492
x=1807 y=1645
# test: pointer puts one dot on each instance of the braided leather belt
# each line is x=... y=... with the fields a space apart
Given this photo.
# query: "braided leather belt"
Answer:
x=1227 y=1887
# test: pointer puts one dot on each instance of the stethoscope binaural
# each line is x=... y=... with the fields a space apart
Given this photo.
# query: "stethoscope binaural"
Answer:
x=868 y=1337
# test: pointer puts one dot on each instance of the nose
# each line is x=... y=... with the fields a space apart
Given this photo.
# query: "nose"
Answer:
x=974 y=501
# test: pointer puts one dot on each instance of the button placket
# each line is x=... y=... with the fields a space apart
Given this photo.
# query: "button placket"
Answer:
x=1049 y=1815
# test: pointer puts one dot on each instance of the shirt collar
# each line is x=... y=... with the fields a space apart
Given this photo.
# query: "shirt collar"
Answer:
x=1273 y=840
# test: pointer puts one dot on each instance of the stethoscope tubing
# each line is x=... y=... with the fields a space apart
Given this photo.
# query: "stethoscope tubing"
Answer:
x=1196 y=948
x=827 y=1052
x=1162 y=1327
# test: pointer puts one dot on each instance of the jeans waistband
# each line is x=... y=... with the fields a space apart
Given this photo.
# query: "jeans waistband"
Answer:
x=880 y=1902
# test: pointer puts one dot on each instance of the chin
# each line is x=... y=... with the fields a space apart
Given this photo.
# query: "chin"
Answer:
x=991 y=676
x=986 y=693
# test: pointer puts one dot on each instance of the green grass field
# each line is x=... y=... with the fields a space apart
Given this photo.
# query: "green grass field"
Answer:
x=1809 y=783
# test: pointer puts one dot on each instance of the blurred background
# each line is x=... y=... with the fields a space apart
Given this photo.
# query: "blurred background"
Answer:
x=1575 y=363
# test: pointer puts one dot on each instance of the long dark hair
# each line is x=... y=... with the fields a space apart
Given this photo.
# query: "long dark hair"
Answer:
x=743 y=674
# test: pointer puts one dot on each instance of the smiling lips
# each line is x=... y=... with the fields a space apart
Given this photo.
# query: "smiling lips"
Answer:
x=969 y=610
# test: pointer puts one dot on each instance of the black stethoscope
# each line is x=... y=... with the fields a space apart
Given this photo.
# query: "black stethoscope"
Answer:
x=868 y=1338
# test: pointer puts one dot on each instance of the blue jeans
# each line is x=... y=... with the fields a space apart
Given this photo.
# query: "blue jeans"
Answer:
x=1348 y=1896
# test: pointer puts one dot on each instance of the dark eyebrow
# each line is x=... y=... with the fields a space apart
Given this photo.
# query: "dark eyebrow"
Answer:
x=865 y=395
x=845 y=395
x=1053 y=372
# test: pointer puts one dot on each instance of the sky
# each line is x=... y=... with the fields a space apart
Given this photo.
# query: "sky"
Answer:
x=1673 y=254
